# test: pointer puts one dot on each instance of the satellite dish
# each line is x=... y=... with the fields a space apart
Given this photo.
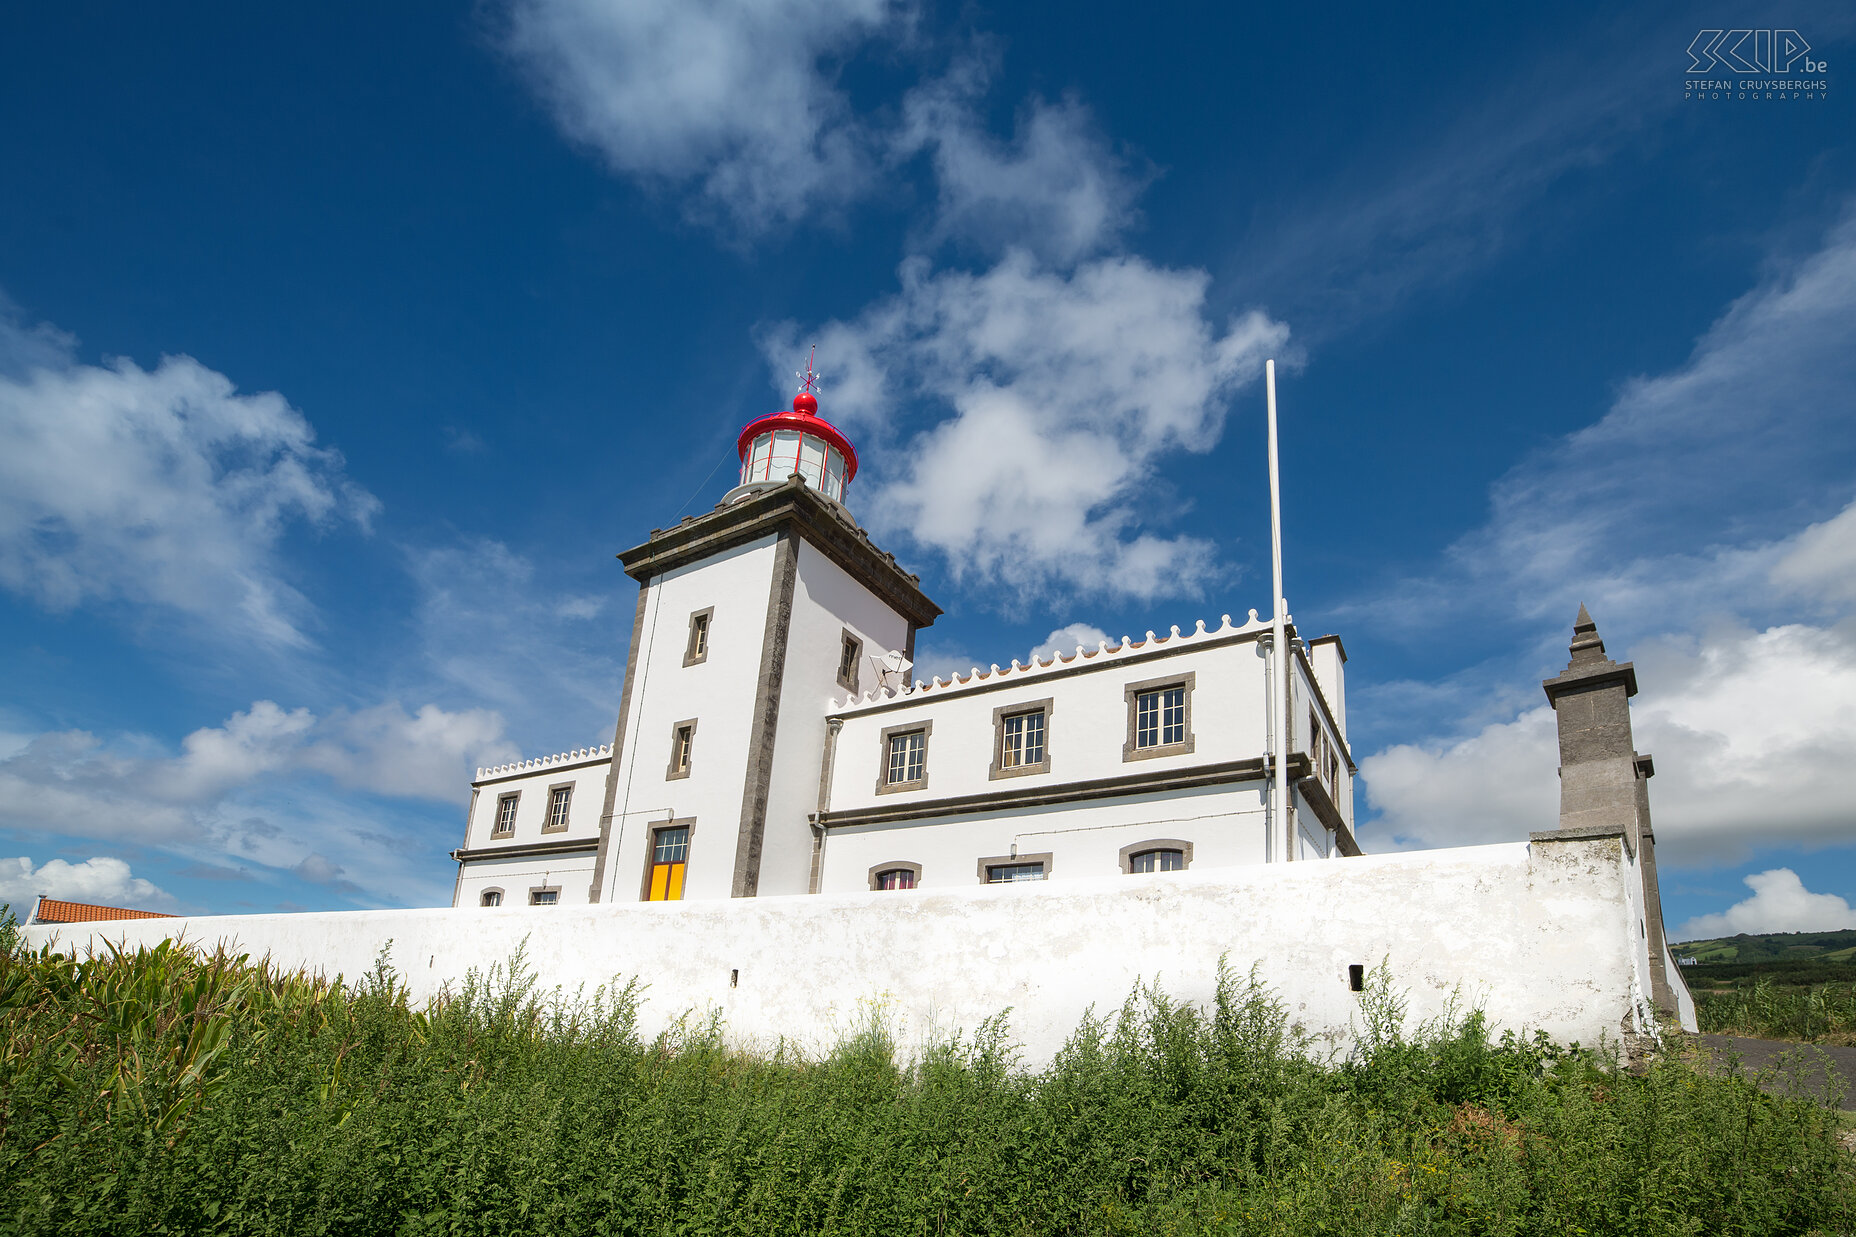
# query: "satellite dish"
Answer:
x=892 y=670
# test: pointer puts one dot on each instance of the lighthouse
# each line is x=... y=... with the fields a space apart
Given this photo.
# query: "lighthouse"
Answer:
x=795 y=443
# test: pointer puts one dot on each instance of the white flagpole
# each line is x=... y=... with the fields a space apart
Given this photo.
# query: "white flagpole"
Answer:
x=1279 y=688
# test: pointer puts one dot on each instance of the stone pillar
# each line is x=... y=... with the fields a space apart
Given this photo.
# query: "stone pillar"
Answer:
x=1604 y=781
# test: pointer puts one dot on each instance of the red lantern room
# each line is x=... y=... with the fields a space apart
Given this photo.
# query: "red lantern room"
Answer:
x=783 y=443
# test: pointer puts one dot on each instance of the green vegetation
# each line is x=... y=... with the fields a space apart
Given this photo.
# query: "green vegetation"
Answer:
x=1773 y=947
x=169 y=1091
x=1779 y=985
x=1825 y=1014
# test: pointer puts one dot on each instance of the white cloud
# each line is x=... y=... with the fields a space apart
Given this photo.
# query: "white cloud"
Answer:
x=1067 y=390
x=1677 y=516
x=163 y=486
x=102 y=880
x=1644 y=511
x=271 y=786
x=1780 y=903
x=1056 y=189
x=734 y=96
x=1820 y=562
x=1750 y=730
x=1066 y=640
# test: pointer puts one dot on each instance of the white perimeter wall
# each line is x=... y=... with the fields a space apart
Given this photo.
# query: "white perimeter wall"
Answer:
x=1540 y=935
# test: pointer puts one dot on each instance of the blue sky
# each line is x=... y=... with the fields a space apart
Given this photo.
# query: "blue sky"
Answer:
x=340 y=351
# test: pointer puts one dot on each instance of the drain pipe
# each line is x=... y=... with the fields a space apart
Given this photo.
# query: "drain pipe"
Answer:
x=827 y=759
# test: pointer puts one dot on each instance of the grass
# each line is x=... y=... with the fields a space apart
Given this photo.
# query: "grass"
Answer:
x=1817 y=1014
x=183 y=1092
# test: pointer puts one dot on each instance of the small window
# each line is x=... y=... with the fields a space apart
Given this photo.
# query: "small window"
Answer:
x=491 y=897
x=543 y=897
x=907 y=757
x=1159 y=718
x=849 y=651
x=697 y=649
x=1006 y=873
x=558 y=799
x=682 y=749
x=1156 y=855
x=1157 y=861
x=1019 y=741
x=904 y=758
x=895 y=874
x=505 y=815
x=670 y=853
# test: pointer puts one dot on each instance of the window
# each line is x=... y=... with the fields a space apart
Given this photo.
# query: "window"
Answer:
x=543 y=897
x=848 y=653
x=1156 y=855
x=1322 y=753
x=697 y=650
x=558 y=799
x=505 y=816
x=491 y=897
x=896 y=874
x=682 y=746
x=908 y=754
x=904 y=757
x=1159 y=718
x=670 y=853
x=1157 y=861
x=1006 y=873
x=1019 y=735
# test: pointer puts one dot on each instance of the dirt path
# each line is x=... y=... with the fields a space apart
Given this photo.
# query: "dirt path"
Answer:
x=1785 y=1068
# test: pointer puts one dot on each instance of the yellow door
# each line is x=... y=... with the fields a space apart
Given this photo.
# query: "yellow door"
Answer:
x=666 y=882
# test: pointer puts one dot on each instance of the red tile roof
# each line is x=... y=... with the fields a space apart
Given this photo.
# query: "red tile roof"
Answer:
x=52 y=910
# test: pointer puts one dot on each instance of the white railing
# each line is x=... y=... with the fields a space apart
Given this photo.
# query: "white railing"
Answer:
x=577 y=755
x=1104 y=649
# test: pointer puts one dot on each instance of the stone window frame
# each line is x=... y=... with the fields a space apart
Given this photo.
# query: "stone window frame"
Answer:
x=671 y=772
x=535 y=891
x=895 y=865
x=851 y=642
x=547 y=821
x=687 y=823
x=483 y=895
x=1006 y=861
x=883 y=785
x=1023 y=707
x=701 y=622
x=1132 y=693
x=513 y=797
x=1129 y=851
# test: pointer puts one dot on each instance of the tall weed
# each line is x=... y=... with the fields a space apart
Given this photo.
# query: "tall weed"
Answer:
x=187 y=1091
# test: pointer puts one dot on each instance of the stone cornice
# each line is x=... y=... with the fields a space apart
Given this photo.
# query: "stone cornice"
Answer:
x=793 y=505
x=565 y=846
x=1585 y=678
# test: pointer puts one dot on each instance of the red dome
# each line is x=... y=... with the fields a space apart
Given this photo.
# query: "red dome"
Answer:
x=805 y=419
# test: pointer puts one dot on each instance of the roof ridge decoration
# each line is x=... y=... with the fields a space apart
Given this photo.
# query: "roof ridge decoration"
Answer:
x=544 y=762
x=1103 y=649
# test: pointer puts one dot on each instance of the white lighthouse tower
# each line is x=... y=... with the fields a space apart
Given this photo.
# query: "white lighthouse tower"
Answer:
x=751 y=620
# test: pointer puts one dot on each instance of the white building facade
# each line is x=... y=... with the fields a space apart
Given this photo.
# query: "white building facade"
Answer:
x=771 y=740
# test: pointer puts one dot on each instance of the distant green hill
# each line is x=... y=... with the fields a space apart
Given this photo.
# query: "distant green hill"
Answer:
x=1772 y=947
